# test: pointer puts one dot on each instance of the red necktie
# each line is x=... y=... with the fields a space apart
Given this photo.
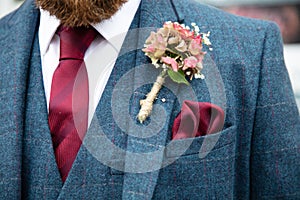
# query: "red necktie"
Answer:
x=69 y=98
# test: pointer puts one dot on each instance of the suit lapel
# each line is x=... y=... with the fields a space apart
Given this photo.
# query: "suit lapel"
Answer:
x=145 y=143
x=21 y=31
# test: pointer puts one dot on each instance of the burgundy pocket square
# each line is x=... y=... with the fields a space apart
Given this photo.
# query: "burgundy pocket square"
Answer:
x=197 y=119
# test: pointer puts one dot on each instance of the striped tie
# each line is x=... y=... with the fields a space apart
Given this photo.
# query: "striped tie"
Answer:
x=69 y=98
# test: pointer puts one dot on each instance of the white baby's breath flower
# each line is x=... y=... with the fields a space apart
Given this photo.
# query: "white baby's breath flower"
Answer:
x=199 y=76
x=206 y=40
x=156 y=65
x=197 y=29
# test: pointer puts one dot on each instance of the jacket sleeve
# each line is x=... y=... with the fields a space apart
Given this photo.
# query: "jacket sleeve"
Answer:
x=275 y=170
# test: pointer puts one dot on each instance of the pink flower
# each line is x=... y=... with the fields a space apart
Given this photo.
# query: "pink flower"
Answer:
x=155 y=46
x=195 y=47
x=176 y=46
x=182 y=47
x=200 y=57
x=183 y=32
x=170 y=61
x=198 y=39
x=149 y=49
x=190 y=62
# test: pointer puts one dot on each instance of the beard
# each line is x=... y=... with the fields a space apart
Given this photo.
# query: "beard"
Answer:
x=76 y=13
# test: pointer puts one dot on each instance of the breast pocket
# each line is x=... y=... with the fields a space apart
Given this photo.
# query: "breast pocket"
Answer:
x=205 y=170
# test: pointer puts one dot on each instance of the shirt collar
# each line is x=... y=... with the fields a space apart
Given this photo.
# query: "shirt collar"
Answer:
x=113 y=29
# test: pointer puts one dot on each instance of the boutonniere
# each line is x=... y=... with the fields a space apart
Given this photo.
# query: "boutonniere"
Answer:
x=176 y=50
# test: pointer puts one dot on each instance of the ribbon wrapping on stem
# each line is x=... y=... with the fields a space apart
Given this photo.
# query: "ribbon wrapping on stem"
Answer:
x=147 y=104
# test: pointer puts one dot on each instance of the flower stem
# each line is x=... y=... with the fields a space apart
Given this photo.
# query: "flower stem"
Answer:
x=147 y=104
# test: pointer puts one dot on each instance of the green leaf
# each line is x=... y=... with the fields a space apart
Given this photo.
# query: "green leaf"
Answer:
x=177 y=77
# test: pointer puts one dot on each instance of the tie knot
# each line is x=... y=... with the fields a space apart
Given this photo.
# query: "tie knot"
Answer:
x=74 y=41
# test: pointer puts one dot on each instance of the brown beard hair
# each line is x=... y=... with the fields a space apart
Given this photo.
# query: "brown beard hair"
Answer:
x=76 y=13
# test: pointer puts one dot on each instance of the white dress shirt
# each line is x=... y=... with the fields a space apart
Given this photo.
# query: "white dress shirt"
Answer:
x=99 y=58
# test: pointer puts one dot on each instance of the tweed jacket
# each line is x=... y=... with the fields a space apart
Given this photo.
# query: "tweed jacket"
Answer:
x=255 y=156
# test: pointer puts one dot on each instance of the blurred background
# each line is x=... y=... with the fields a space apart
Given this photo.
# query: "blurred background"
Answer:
x=286 y=13
x=7 y=6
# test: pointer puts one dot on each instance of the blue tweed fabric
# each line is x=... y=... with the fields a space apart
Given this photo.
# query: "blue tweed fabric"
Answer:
x=255 y=156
